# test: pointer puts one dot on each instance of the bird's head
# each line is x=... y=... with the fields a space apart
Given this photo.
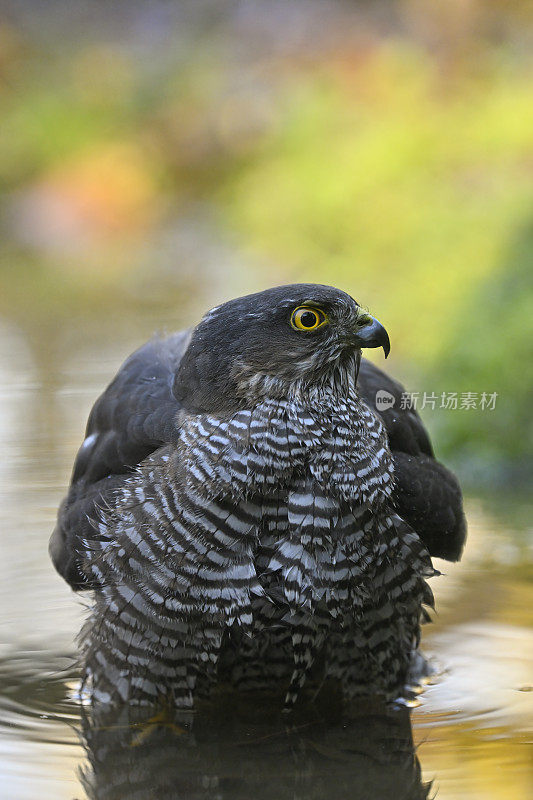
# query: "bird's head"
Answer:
x=275 y=343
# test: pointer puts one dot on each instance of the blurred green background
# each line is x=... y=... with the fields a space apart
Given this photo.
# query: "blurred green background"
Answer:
x=157 y=158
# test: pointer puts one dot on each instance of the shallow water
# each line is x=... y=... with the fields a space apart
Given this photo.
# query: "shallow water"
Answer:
x=470 y=736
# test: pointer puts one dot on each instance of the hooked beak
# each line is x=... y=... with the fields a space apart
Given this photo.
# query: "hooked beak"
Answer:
x=371 y=333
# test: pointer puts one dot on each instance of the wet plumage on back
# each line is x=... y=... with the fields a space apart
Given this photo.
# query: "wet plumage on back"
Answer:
x=239 y=513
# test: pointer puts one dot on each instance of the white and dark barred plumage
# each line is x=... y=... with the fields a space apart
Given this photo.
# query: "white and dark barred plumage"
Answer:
x=253 y=531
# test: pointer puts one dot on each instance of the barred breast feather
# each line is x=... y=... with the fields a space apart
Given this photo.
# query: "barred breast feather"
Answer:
x=258 y=548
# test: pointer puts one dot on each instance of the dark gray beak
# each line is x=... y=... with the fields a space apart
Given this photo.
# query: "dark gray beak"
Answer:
x=371 y=333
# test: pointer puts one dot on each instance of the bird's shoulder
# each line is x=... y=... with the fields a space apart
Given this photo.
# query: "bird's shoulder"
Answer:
x=136 y=414
x=405 y=429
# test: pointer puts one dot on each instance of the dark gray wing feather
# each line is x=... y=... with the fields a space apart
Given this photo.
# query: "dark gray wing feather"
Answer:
x=136 y=415
x=427 y=495
x=133 y=417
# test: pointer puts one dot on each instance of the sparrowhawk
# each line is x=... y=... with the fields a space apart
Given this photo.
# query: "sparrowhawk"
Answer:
x=243 y=513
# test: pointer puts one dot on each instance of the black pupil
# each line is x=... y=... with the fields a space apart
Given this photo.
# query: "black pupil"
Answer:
x=308 y=319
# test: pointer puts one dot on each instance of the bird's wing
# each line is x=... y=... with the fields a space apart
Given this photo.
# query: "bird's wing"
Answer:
x=133 y=417
x=427 y=495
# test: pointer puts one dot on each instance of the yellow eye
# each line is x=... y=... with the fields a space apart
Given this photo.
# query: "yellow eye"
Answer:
x=307 y=319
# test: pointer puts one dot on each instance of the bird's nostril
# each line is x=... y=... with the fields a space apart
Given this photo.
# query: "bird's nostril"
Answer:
x=364 y=319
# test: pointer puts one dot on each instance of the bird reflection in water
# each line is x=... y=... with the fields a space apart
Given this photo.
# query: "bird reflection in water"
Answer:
x=235 y=751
